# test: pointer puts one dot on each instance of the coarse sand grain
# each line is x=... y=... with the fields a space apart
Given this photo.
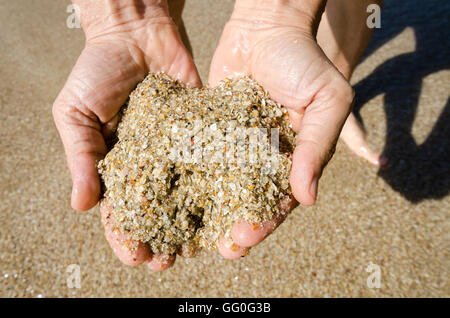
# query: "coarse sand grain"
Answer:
x=189 y=162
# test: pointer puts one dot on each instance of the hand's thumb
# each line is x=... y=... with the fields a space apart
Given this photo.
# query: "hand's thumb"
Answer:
x=320 y=127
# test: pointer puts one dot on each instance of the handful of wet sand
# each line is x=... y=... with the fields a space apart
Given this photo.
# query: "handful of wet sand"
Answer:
x=190 y=162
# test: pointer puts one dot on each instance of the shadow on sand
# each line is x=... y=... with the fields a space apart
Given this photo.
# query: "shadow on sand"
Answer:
x=416 y=171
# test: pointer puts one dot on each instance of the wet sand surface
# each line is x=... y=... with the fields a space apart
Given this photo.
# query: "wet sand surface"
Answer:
x=396 y=218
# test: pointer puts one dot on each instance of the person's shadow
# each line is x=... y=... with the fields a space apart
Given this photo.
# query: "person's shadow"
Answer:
x=416 y=171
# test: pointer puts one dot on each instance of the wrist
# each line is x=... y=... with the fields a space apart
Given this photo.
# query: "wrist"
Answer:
x=304 y=14
x=99 y=15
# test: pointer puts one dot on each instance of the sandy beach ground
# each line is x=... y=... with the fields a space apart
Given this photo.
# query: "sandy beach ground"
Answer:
x=397 y=218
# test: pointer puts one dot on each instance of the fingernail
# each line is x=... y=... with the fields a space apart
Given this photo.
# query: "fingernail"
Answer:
x=383 y=160
x=74 y=191
x=313 y=187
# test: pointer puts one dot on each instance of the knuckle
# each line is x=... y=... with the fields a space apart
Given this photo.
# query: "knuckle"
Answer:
x=56 y=109
x=73 y=112
x=61 y=110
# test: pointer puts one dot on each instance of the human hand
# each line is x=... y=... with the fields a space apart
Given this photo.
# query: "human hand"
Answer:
x=274 y=43
x=124 y=42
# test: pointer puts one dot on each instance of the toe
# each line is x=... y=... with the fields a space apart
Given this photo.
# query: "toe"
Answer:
x=355 y=138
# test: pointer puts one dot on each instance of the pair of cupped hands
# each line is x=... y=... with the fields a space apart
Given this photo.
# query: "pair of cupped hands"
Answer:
x=276 y=45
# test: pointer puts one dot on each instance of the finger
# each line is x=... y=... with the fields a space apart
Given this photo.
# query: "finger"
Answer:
x=355 y=138
x=127 y=250
x=230 y=250
x=183 y=69
x=109 y=128
x=93 y=94
x=159 y=262
x=248 y=235
x=228 y=61
x=321 y=124
x=84 y=146
x=178 y=63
